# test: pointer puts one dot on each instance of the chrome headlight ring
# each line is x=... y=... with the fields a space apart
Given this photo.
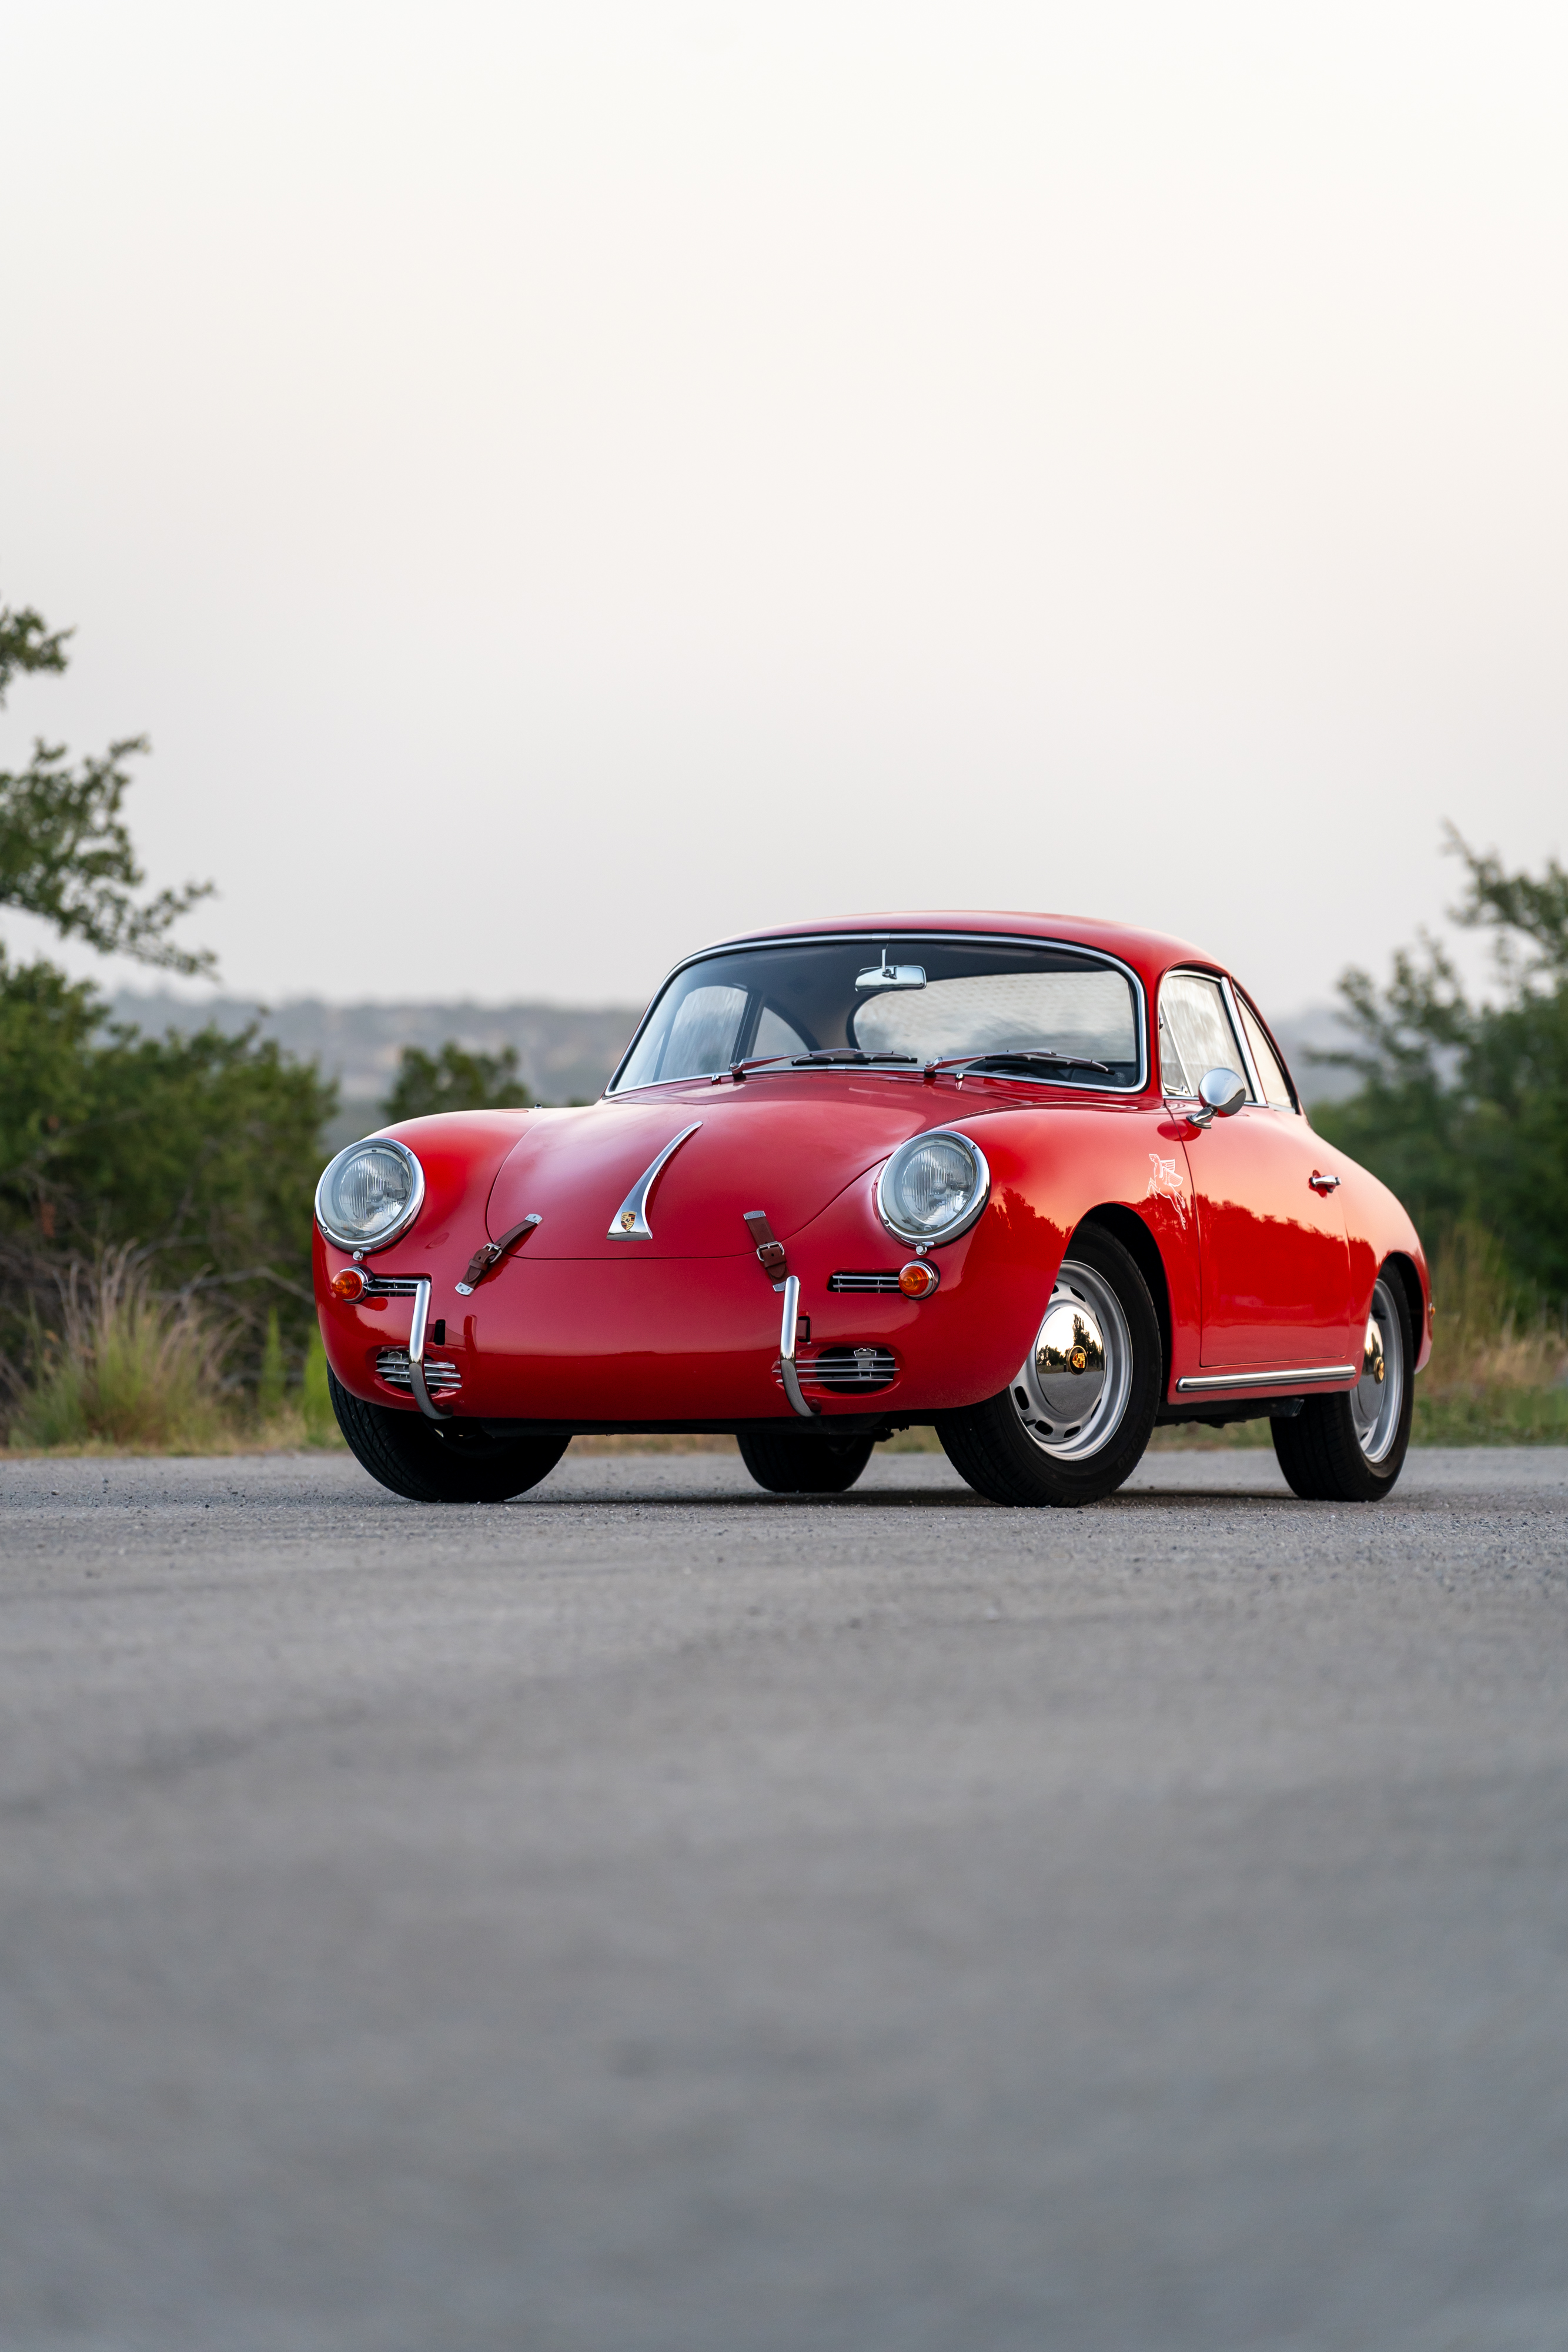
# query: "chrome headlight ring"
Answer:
x=933 y=1188
x=370 y=1195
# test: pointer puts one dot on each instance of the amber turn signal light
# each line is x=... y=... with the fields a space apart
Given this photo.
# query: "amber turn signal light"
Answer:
x=918 y=1280
x=349 y=1284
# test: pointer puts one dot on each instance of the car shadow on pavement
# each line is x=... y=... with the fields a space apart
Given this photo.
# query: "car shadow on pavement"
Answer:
x=897 y=1499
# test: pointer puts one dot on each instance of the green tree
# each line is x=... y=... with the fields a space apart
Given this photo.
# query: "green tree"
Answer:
x=202 y=1148
x=1463 y=1103
x=66 y=853
x=455 y=1080
x=200 y=1152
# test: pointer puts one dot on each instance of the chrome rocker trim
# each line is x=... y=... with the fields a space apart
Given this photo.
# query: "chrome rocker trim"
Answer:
x=1311 y=1372
x=629 y=1223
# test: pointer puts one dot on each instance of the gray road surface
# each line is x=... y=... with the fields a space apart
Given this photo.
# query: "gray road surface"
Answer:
x=651 y=1918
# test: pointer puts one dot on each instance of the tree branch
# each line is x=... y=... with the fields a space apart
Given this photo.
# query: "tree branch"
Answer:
x=66 y=855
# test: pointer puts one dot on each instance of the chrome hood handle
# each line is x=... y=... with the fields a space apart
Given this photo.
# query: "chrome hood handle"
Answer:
x=629 y=1223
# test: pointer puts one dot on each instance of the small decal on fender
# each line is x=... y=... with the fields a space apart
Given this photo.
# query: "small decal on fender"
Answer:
x=1166 y=1182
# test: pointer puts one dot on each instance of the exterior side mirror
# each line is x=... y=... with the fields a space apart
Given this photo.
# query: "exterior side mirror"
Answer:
x=1221 y=1095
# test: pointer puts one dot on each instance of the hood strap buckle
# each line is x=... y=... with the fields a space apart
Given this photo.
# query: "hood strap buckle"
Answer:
x=491 y=1254
x=769 y=1251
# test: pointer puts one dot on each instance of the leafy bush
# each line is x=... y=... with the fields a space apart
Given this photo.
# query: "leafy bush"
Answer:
x=454 y=1079
x=203 y=1150
x=1463 y=1105
x=269 y=1387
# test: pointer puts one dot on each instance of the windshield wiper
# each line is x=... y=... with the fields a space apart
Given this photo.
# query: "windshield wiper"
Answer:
x=849 y=1057
x=834 y=1057
x=844 y=1056
x=962 y=1061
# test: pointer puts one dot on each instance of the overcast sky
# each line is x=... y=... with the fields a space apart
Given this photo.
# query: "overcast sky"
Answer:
x=561 y=484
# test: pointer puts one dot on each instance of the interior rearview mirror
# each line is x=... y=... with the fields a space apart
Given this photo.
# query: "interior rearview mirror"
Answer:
x=891 y=975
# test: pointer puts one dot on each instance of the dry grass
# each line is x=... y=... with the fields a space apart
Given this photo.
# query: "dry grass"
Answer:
x=124 y=1371
x=124 y=1368
x=1498 y=1367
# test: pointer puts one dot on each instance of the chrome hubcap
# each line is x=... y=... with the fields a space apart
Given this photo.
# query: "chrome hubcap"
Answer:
x=1072 y=1387
x=1379 y=1397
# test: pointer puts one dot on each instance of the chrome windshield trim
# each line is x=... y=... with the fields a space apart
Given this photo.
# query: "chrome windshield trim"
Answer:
x=629 y=1223
x=839 y=938
x=1290 y=1380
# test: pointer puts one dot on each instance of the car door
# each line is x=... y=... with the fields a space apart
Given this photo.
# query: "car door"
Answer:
x=1275 y=1266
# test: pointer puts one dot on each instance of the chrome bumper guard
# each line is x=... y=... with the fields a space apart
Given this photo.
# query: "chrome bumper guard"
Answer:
x=426 y=1402
x=792 y=1390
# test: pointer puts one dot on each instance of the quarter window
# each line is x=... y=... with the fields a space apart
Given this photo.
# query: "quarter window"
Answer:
x=1276 y=1085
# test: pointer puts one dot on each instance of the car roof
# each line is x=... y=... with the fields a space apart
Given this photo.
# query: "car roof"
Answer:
x=1150 y=953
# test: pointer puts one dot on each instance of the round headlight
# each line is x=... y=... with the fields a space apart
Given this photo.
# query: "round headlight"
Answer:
x=934 y=1187
x=370 y=1195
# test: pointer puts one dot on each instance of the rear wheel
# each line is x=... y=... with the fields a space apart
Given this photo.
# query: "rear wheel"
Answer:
x=451 y=1463
x=1351 y=1448
x=797 y=1462
x=1074 y=1422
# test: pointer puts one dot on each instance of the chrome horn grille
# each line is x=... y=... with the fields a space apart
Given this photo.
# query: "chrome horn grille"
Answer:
x=847 y=1370
x=440 y=1372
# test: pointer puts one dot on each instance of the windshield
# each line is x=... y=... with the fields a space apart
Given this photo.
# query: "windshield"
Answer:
x=919 y=999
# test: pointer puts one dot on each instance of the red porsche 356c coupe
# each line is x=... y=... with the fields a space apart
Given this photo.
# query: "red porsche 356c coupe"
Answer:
x=1038 y=1184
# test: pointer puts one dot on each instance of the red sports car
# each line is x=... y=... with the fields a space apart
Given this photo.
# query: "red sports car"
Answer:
x=1039 y=1183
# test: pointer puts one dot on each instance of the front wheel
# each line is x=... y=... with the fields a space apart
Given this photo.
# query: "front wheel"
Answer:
x=1074 y=1422
x=797 y=1462
x=454 y=1462
x=1351 y=1448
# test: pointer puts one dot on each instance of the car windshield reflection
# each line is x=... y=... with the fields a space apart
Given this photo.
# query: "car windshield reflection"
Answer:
x=1042 y=1013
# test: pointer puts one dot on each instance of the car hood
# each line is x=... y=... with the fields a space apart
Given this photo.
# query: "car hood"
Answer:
x=756 y=1148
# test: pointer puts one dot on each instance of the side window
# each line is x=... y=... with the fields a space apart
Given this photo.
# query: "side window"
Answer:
x=774 y=1036
x=703 y=1033
x=1276 y=1085
x=1196 y=1035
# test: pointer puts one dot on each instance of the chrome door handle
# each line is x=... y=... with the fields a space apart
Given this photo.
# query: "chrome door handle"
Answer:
x=1322 y=1183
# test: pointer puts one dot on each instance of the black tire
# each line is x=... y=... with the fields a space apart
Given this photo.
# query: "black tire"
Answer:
x=1351 y=1448
x=1008 y=1448
x=453 y=1464
x=799 y=1462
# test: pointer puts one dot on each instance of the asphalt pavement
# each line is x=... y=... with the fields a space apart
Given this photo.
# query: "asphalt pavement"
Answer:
x=652 y=1916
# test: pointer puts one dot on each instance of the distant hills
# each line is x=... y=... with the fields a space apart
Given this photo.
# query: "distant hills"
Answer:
x=566 y=1052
